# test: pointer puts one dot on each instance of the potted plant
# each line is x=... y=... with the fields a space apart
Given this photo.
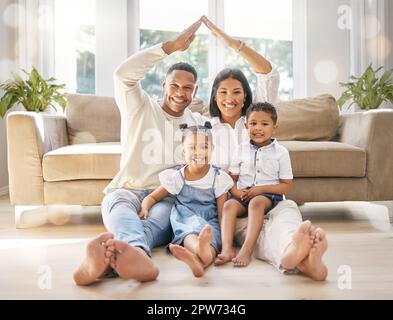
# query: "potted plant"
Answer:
x=34 y=93
x=368 y=91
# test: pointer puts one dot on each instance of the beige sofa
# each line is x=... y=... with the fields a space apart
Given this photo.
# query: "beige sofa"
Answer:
x=69 y=160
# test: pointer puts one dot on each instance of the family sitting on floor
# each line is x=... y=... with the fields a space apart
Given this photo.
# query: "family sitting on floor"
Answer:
x=199 y=185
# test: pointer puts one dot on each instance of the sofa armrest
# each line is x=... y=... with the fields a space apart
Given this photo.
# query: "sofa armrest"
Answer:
x=372 y=131
x=29 y=136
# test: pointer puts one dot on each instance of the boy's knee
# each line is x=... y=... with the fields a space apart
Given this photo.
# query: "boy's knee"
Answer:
x=257 y=202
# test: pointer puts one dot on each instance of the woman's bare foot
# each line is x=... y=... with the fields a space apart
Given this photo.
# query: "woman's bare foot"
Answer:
x=95 y=263
x=204 y=251
x=225 y=256
x=189 y=258
x=299 y=248
x=313 y=265
x=132 y=262
x=243 y=258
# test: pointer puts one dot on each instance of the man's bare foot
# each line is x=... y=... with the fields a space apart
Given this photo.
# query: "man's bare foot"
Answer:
x=313 y=265
x=225 y=256
x=95 y=263
x=132 y=262
x=298 y=249
x=243 y=258
x=204 y=245
x=189 y=258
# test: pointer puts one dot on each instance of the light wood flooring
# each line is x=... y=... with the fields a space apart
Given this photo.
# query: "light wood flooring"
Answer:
x=38 y=262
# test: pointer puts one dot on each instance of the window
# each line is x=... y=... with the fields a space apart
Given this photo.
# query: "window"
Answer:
x=264 y=25
x=75 y=44
x=161 y=21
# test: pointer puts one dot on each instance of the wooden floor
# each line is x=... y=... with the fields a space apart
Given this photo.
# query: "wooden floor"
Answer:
x=37 y=263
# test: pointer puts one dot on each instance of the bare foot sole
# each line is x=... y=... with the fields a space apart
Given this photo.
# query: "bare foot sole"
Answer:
x=300 y=246
x=225 y=256
x=132 y=262
x=95 y=263
x=204 y=242
x=313 y=265
x=243 y=258
x=189 y=258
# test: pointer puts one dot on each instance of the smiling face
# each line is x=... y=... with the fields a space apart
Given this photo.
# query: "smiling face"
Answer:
x=260 y=127
x=197 y=148
x=179 y=89
x=230 y=98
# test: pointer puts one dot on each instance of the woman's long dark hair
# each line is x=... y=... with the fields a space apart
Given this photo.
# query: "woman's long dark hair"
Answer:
x=223 y=75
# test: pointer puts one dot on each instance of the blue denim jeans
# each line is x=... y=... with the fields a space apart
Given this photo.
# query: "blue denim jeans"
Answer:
x=120 y=210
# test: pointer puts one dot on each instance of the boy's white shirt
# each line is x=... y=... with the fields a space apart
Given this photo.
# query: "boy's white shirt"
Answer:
x=261 y=166
x=151 y=138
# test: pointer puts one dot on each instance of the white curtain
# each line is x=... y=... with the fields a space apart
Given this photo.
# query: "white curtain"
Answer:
x=371 y=35
x=36 y=36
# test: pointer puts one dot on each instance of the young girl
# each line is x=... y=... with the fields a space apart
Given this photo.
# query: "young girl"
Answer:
x=201 y=190
x=263 y=172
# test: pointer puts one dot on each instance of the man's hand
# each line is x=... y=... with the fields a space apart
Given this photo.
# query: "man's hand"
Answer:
x=183 y=41
x=252 y=192
x=221 y=35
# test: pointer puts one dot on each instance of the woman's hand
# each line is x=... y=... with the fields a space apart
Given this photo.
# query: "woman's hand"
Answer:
x=221 y=35
x=183 y=41
x=144 y=213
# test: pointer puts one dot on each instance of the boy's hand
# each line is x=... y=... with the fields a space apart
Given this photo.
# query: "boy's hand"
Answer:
x=183 y=41
x=252 y=192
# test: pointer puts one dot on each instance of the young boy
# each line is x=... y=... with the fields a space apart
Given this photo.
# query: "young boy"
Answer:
x=262 y=173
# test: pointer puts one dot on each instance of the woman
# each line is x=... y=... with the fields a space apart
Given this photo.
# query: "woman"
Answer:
x=285 y=241
x=231 y=96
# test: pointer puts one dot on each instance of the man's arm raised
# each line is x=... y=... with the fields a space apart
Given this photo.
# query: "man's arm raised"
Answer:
x=128 y=92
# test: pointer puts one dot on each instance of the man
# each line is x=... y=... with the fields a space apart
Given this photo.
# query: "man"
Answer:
x=126 y=248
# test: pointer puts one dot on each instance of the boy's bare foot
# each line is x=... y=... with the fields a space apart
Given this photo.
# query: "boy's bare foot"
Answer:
x=225 y=256
x=189 y=258
x=204 y=249
x=95 y=264
x=298 y=249
x=132 y=262
x=243 y=258
x=313 y=265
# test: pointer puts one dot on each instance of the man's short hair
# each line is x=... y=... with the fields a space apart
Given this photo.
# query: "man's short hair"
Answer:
x=183 y=66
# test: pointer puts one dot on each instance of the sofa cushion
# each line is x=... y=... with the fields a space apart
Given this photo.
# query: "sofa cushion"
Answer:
x=82 y=161
x=326 y=159
x=315 y=118
x=92 y=119
x=102 y=160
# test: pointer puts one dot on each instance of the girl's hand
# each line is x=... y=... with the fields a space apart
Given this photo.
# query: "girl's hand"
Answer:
x=221 y=35
x=144 y=213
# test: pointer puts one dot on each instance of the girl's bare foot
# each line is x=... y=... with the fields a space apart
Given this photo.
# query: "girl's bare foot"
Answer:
x=300 y=246
x=225 y=256
x=95 y=263
x=189 y=258
x=243 y=258
x=132 y=262
x=204 y=251
x=313 y=265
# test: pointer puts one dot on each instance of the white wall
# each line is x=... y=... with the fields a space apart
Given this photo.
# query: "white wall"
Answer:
x=7 y=64
x=328 y=47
